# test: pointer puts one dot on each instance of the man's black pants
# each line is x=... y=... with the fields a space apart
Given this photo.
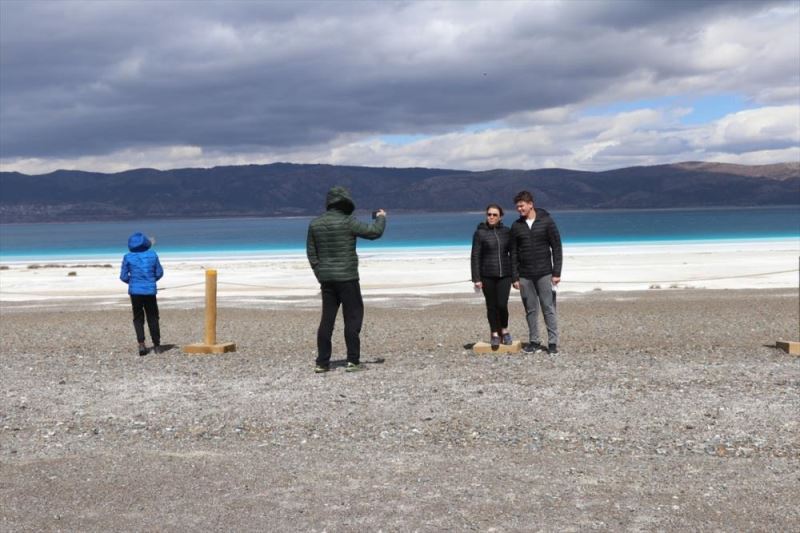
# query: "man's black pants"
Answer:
x=348 y=295
x=146 y=304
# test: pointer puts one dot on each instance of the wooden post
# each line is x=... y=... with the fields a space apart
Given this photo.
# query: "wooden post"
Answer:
x=210 y=336
x=209 y=344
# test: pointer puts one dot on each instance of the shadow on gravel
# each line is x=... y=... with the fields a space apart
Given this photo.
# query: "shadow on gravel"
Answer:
x=164 y=348
x=774 y=346
x=343 y=362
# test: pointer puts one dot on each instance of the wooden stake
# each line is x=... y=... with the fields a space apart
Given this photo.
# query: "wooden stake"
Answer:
x=209 y=344
x=211 y=307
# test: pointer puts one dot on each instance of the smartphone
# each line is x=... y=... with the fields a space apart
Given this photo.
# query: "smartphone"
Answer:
x=375 y=214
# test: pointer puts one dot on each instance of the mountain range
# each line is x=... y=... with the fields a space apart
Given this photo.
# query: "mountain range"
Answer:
x=285 y=189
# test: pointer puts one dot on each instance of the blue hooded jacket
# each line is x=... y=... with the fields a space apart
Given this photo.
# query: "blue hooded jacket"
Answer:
x=140 y=268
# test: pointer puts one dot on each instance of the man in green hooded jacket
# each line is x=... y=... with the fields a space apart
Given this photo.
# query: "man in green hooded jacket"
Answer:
x=331 y=250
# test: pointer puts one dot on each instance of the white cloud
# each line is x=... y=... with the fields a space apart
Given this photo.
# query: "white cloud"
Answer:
x=642 y=137
x=752 y=130
x=761 y=157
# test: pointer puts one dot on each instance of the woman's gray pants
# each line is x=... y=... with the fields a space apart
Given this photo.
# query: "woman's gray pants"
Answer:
x=535 y=293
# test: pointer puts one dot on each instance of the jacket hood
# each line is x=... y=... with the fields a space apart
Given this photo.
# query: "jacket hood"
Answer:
x=484 y=225
x=339 y=198
x=138 y=242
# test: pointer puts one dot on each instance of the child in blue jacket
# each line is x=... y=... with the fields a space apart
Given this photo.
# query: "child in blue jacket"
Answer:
x=141 y=270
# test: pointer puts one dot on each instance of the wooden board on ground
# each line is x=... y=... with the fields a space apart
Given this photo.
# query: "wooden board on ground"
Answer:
x=200 y=348
x=485 y=347
x=790 y=347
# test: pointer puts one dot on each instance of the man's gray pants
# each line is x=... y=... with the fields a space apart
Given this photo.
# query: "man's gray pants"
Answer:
x=535 y=293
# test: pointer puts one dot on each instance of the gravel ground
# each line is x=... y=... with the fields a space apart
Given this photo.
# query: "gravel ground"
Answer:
x=665 y=411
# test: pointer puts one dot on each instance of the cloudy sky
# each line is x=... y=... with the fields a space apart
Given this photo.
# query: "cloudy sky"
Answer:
x=582 y=84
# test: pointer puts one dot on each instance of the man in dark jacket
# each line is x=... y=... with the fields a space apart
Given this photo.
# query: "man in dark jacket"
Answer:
x=331 y=250
x=536 y=260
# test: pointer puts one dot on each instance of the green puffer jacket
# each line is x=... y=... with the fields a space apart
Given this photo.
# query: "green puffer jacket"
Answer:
x=331 y=241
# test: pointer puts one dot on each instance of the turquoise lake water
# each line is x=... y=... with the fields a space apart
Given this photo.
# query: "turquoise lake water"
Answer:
x=404 y=231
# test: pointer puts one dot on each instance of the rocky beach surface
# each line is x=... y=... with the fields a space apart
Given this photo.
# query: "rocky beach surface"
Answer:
x=666 y=410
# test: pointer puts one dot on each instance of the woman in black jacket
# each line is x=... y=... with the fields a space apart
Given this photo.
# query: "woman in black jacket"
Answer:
x=491 y=271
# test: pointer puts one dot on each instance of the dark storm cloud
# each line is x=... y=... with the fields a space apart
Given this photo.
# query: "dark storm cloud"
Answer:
x=94 y=77
x=634 y=14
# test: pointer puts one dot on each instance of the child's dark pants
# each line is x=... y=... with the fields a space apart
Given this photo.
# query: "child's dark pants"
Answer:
x=146 y=304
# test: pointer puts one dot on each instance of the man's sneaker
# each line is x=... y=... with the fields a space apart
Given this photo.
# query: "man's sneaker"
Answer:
x=354 y=367
x=507 y=340
x=552 y=349
x=533 y=347
x=495 y=343
x=319 y=369
x=142 y=349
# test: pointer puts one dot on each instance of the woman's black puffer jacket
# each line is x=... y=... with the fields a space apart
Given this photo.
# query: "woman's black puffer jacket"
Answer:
x=491 y=252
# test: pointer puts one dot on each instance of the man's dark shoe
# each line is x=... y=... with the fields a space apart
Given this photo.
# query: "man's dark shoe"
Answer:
x=533 y=347
x=142 y=349
x=495 y=343
x=320 y=369
x=552 y=349
x=157 y=349
x=354 y=367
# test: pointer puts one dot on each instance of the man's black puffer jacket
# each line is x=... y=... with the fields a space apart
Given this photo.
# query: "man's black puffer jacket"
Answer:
x=537 y=250
x=491 y=252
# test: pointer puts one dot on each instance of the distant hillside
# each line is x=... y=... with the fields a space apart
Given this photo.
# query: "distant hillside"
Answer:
x=282 y=189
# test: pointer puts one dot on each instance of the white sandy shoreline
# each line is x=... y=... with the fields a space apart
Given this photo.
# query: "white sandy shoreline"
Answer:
x=421 y=272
